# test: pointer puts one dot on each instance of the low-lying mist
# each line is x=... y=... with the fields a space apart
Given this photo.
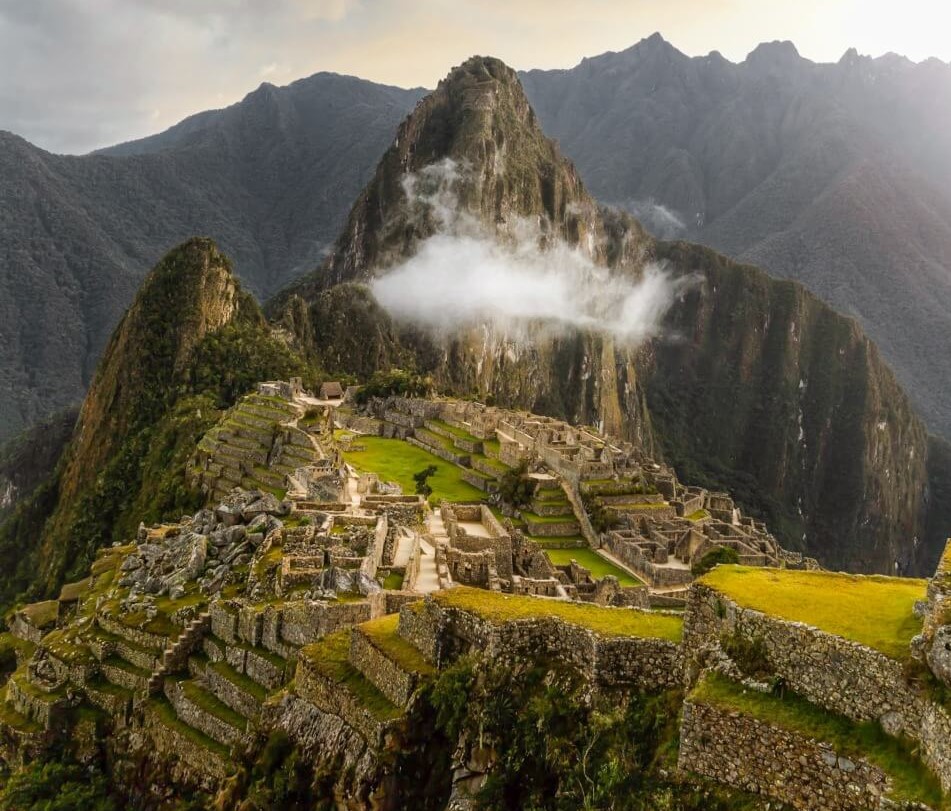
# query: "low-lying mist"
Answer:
x=464 y=276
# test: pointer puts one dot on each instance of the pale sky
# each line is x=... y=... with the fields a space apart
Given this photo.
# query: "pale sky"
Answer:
x=79 y=74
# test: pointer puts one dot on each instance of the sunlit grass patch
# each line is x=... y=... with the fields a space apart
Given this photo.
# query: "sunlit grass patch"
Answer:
x=395 y=460
x=869 y=609
x=499 y=608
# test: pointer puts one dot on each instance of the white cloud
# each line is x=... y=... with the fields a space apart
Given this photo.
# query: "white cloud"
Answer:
x=464 y=276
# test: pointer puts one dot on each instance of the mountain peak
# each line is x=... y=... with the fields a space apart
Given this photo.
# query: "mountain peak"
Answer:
x=776 y=54
x=478 y=126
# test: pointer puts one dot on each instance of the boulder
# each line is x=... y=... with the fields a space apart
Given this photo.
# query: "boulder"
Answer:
x=939 y=654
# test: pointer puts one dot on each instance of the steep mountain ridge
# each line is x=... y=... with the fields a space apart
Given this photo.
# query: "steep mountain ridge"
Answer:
x=266 y=178
x=479 y=120
x=190 y=344
x=834 y=175
x=828 y=483
x=766 y=389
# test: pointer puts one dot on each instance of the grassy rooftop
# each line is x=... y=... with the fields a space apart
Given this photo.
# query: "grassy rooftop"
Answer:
x=395 y=460
x=869 y=609
x=912 y=781
x=41 y=615
x=499 y=608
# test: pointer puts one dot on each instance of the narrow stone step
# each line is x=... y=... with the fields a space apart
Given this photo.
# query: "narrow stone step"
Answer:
x=173 y=737
x=236 y=690
x=125 y=674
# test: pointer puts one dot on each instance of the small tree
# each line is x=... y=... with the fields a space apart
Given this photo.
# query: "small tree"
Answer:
x=721 y=554
x=516 y=488
x=421 y=479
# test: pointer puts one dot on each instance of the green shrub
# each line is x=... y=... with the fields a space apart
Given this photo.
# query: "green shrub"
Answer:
x=56 y=787
x=395 y=382
x=421 y=477
x=749 y=654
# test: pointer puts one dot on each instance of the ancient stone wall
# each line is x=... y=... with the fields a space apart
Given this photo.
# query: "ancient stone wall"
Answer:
x=843 y=676
x=422 y=628
x=631 y=555
x=305 y=621
x=313 y=686
x=752 y=755
x=441 y=633
x=388 y=677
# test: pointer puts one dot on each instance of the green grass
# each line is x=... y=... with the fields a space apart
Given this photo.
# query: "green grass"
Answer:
x=458 y=433
x=13 y=645
x=73 y=591
x=395 y=460
x=434 y=439
x=697 y=515
x=558 y=542
x=551 y=496
x=393 y=581
x=11 y=718
x=330 y=658
x=533 y=518
x=101 y=685
x=269 y=560
x=383 y=633
x=491 y=446
x=871 y=610
x=498 y=467
x=121 y=664
x=592 y=561
x=496 y=607
x=912 y=781
x=68 y=645
x=41 y=615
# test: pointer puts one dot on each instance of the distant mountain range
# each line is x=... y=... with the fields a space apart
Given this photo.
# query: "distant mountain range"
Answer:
x=834 y=175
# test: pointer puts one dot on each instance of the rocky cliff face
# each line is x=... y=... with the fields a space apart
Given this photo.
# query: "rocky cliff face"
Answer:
x=28 y=461
x=834 y=175
x=755 y=386
x=775 y=396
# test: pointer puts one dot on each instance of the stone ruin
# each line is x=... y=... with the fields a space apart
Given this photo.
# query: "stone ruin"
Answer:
x=653 y=524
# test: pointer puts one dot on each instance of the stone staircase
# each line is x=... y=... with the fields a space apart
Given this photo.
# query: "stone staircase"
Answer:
x=550 y=520
x=211 y=689
x=127 y=659
x=176 y=655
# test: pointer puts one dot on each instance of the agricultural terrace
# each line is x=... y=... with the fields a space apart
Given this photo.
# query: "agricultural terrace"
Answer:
x=396 y=461
x=869 y=609
x=500 y=608
x=911 y=779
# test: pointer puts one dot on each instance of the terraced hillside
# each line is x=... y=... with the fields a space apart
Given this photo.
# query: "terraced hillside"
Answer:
x=257 y=445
